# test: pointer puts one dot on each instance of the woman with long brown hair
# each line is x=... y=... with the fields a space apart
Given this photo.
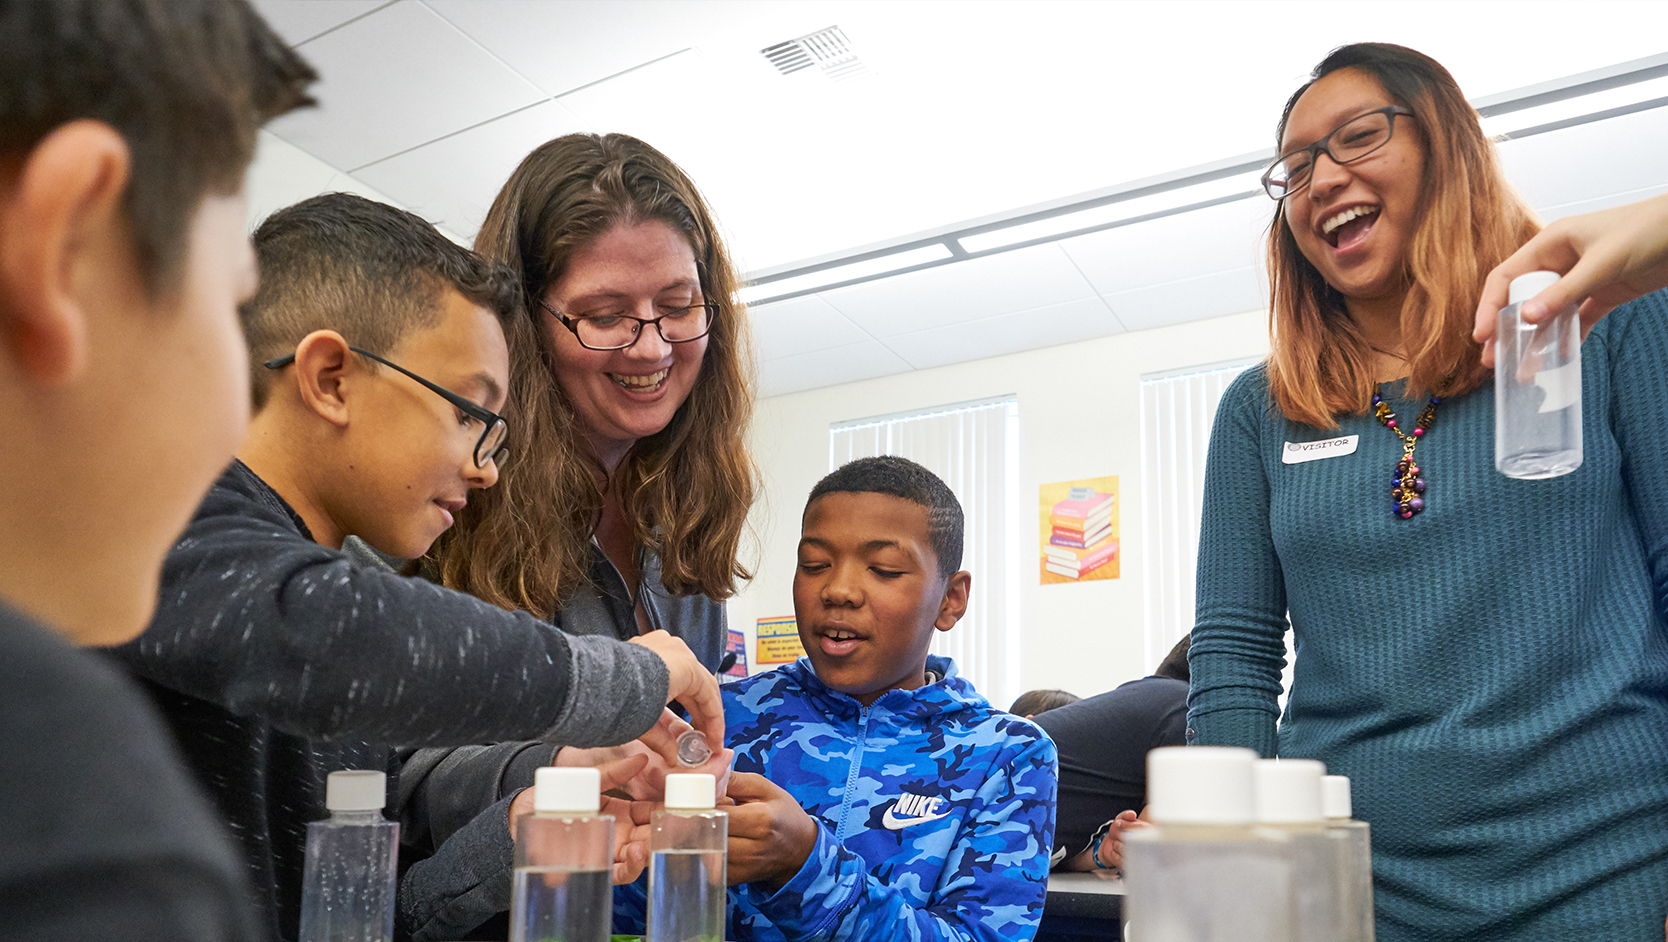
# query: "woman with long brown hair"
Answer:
x=623 y=512
x=1485 y=658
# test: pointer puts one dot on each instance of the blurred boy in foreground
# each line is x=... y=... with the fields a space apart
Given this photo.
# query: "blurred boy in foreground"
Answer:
x=125 y=130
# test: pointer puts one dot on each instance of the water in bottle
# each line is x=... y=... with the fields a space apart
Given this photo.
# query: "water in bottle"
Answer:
x=347 y=884
x=564 y=853
x=1353 y=848
x=687 y=859
x=1205 y=872
x=1537 y=387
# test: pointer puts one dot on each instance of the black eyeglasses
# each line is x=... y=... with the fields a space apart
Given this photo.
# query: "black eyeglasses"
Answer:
x=1348 y=142
x=491 y=446
x=619 y=331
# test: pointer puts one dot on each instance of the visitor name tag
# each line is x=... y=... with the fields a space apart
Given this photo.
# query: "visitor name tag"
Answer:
x=1299 y=452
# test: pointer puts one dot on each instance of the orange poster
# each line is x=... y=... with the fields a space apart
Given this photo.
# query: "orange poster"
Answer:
x=779 y=641
x=1079 y=530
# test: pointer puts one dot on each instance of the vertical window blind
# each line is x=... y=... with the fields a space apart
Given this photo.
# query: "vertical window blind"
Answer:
x=974 y=447
x=1177 y=410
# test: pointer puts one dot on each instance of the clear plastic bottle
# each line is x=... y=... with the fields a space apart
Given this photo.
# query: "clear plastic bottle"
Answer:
x=564 y=857
x=1205 y=873
x=1353 y=850
x=1537 y=387
x=688 y=852
x=347 y=883
x=1289 y=800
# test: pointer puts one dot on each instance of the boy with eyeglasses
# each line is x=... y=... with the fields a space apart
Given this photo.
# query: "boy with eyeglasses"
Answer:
x=125 y=130
x=277 y=657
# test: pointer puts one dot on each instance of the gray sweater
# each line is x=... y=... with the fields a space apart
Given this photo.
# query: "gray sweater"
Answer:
x=277 y=660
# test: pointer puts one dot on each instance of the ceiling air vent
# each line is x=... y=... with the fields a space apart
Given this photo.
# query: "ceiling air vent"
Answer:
x=827 y=49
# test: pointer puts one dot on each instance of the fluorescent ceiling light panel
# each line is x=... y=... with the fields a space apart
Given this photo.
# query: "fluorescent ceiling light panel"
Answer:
x=829 y=276
x=1236 y=185
x=1580 y=106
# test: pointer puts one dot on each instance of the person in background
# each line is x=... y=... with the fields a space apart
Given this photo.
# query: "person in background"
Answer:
x=1607 y=258
x=1032 y=702
x=1485 y=658
x=877 y=795
x=125 y=131
x=1103 y=742
x=278 y=658
x=624 y=510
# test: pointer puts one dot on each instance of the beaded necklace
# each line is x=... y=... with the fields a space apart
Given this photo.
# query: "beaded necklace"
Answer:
x=1407 y=488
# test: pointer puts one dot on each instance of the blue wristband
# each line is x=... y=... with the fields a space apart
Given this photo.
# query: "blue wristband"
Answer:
x=1094 y=847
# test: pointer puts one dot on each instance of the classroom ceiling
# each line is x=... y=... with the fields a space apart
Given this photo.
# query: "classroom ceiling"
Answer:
x=931 y=114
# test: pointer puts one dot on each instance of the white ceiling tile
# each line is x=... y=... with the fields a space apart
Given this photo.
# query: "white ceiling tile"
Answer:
x=300 y=20
x=1192 y=299
x=1550 y=213
x=848 y=364
x=1021 y=280
x=395 y=79
x=453 y=181
x=789 y=328
x=1008 y=333
x=1173 y=248
x=1617 y=155
x=563 y=46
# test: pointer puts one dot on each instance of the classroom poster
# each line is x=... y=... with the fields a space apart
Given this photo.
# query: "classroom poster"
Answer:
x=1079 y=530
x=779 y=641
x=737 y=645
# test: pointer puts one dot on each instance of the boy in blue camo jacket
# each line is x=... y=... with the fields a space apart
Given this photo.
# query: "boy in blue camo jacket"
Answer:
x=877 y=794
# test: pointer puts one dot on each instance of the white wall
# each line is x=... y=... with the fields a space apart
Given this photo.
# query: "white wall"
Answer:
x=1079 y=416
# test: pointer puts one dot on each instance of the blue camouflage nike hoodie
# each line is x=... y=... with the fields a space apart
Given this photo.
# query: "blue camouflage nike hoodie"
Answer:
x=935 y=811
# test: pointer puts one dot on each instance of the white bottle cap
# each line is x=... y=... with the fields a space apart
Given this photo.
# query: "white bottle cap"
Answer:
x=355 y=791
x=1524 y=287
x=689 y=791
x=1288 y=790
x=1335 y=796
x=1199 y=784
x=576 y=789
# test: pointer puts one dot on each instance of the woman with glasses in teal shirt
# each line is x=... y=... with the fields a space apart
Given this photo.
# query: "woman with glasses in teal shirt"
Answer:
x=1486 y=658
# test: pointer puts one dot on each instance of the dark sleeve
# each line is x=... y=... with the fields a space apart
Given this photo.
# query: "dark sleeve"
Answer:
x=463 y=884
x=1636 y=338
x=1239 y=623
x=442 y=790
x=102 y=836
x=261 y=621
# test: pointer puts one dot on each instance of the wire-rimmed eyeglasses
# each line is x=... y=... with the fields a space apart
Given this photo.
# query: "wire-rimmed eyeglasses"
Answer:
x=494 y=432
x=619 y=331
x=1348 y=142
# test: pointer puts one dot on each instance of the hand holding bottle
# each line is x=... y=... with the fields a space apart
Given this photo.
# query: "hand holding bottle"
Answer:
x=631 y=818
x=771 y=835
x=1607 y=258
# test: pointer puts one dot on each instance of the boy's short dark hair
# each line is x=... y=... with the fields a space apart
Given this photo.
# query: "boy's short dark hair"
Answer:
x=900 y=477
x=1032 y=702
x=186 y=83
x=1174 y=665
x=364 y=269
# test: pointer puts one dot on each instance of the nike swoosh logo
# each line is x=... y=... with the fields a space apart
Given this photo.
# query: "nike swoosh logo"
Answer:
x=895 y=823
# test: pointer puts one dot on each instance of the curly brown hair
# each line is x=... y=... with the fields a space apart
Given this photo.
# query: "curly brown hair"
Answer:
x=687 y=489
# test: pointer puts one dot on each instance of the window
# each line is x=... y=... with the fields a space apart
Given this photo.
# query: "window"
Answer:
x=974 y=447
x=1177 y=411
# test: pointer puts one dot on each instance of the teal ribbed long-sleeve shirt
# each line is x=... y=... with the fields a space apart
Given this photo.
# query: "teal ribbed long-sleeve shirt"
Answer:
x=1492 y=674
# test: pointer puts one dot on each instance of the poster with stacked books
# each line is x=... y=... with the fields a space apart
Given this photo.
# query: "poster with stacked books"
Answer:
x=1079 y=530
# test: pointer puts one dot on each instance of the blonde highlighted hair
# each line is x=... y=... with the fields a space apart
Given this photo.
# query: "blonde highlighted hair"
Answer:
x=1320 y=365
x=686 y=490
